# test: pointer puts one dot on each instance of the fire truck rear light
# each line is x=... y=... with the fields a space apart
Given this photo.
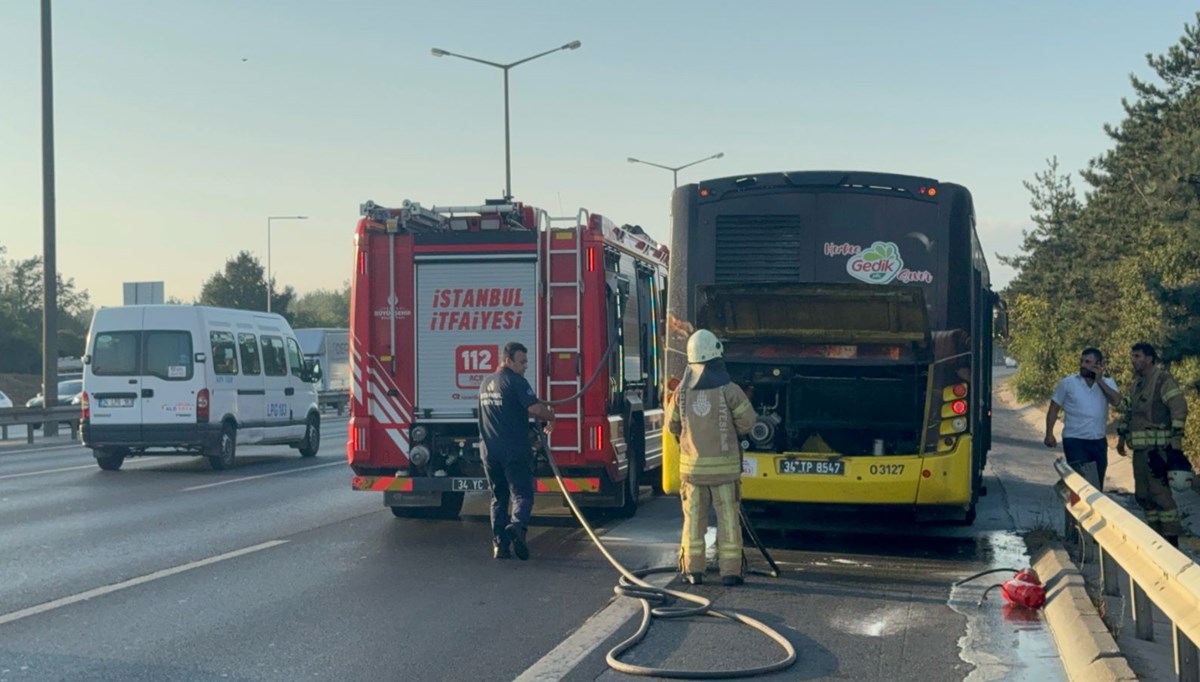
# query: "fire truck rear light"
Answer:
x=362 y=262
x=598 y=438
x=591 y=259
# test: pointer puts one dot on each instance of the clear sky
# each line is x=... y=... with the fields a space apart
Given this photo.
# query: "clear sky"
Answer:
x=180 y=126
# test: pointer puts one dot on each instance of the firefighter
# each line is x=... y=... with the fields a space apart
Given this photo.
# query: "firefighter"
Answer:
x=1153 y=428
x=709 y=415
x=506 y=401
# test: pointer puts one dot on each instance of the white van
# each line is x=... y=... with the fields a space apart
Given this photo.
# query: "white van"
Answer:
x=191 y=379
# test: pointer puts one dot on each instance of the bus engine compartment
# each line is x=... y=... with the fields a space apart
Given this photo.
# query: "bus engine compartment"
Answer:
x=834 y=408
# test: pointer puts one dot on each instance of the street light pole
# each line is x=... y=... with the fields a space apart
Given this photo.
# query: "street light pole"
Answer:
x=49 y=247
x=270 y=283
x=438 y=52
x=675 y=169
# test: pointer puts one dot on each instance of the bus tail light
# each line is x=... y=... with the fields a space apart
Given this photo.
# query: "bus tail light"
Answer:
x=202 y=406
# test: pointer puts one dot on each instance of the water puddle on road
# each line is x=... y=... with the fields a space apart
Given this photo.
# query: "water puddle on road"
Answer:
x=1002 y=641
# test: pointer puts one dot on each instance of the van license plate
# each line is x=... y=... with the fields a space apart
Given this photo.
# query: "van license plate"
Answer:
x=808 y=466
x=116 y=402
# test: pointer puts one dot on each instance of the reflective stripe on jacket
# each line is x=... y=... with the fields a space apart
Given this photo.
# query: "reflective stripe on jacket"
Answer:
x=709 y=423
x=1156 y=411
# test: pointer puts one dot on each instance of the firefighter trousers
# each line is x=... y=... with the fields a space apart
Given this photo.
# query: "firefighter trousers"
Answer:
x=1153 y=493
x=726 y=499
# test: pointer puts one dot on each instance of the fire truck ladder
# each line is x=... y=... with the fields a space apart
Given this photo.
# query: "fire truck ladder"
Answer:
x=564 y=278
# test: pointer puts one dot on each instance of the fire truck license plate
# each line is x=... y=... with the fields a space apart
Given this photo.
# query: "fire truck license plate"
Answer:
x=469 y=484
x=808 y=466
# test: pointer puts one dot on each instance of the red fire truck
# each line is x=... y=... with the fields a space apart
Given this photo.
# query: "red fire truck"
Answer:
x=436 y=294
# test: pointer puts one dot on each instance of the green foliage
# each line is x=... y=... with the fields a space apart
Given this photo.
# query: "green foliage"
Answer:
x=242 y=285
x=322 y=308
x=1120 y=268
x=21 y=290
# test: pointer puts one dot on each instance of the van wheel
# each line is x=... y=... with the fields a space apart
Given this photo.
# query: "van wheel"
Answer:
x=226 y=449
x=110 y=460
x=312 y=437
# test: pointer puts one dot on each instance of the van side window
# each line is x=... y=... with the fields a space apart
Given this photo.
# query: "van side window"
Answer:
x=295 y=360
x=248 y=345
x=224 y=353
x=116 y=353
x=168 y=355
x=274 y=357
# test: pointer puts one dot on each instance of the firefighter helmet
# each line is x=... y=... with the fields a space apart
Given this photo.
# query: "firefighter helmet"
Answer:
x=1180 y=479
x=704 y=346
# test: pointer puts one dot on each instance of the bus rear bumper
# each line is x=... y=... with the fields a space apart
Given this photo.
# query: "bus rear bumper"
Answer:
x=941 y=480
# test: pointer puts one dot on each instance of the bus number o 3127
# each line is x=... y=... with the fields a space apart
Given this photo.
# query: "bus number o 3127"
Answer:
x=887 y=469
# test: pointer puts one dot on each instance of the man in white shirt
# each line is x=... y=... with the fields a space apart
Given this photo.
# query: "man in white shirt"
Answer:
x=1084 y=398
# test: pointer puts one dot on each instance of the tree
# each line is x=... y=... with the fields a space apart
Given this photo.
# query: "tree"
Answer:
x=323 y=308
x=242 y=285
x=21 y=315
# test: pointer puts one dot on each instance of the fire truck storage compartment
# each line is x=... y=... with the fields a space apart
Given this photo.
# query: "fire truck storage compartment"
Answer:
x=467 y=309
x=849 y=407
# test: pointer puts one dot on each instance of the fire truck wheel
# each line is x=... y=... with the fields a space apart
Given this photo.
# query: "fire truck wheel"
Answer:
x=312 y=437
x=226 y=449
x=632 y=488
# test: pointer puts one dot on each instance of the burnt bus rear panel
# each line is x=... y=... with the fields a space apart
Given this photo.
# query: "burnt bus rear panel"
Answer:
x=848 y=302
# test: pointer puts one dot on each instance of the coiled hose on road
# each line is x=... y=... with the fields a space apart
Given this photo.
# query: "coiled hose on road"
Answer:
x=633 y=586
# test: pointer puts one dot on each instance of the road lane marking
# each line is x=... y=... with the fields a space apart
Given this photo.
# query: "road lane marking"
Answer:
x=77 y=446
x=151 y=459
x=74 y=468
x=275 y=473
x=133 y=582
x=574 y=649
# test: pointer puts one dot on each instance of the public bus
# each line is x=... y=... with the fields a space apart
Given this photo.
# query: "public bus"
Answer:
x=856 y=312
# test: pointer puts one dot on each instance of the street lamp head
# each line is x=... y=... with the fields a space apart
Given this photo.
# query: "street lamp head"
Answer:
x=719 y=155
x=573 y=45
x=632 y=160
x=438 y=52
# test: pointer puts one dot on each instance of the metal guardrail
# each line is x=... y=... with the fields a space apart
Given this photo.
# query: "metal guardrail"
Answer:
x=69 y=414
x=1159 y=574
x=29 y=416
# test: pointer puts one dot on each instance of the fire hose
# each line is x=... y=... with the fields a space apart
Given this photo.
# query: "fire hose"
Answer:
x=632 y=585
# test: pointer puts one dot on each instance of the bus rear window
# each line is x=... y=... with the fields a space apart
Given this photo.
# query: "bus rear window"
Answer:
x=116 y=353
x=169 y=355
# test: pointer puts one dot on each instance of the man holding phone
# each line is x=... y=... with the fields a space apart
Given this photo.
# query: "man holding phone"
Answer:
x=1084 y=398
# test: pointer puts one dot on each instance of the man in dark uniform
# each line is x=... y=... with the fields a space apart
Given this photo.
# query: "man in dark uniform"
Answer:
x=506 y=401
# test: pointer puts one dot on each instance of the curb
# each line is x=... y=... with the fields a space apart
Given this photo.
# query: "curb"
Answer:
x=1087 y=648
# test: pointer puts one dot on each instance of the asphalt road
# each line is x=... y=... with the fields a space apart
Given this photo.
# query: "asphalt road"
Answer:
x=276 y=570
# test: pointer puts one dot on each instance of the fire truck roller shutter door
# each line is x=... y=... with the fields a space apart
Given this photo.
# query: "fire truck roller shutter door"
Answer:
x=466 y=311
